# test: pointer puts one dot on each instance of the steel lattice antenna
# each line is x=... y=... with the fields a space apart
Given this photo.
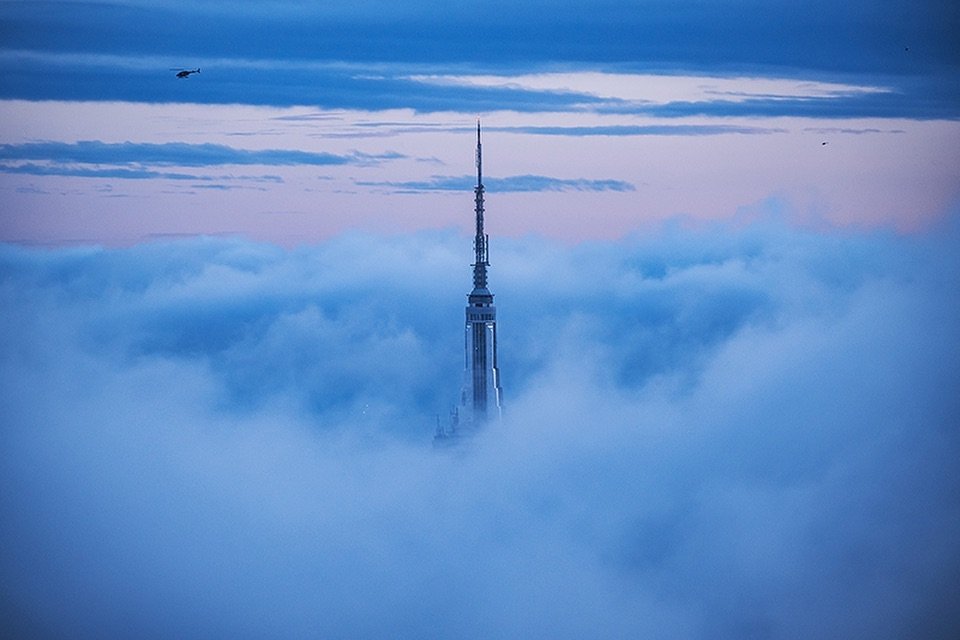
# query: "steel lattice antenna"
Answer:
x=481 y=256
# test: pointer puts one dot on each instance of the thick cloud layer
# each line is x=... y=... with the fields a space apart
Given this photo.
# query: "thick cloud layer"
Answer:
x=733 y=432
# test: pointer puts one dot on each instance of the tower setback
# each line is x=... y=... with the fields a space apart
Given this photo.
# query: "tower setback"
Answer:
x=481 y=395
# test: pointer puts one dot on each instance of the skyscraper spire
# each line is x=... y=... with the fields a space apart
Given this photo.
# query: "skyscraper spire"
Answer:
x=481 y=395
x=481 y=257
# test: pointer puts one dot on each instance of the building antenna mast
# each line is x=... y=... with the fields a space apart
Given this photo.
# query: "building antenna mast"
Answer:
x=481 y=255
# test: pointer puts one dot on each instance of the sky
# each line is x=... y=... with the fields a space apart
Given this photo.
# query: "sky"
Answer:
x=723 y=249
x=310 y=119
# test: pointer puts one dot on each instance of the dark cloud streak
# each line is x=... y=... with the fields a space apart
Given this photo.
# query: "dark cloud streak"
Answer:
x=912 y=50
x=641 y=130
x=179 y=154
x=267 y=82
x=140 y=161
x=934 y=101
x=525 y=183
x=859 y=37
x=123 y=174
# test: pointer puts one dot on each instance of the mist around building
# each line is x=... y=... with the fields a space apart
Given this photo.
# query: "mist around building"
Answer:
x=726 y=431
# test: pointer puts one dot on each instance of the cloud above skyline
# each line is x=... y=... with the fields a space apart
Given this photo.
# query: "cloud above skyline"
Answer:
x=172 y=154
x=360 y=59
x=216 y=437
x=616 y=114
x=642 y=130
x=124 y=174
x=515 y=184
x=142 y=161
x=744 y=33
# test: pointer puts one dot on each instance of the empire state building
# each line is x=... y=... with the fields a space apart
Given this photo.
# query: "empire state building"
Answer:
x=481 y=396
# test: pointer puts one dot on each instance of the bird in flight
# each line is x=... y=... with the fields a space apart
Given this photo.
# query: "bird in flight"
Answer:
x=185 y=73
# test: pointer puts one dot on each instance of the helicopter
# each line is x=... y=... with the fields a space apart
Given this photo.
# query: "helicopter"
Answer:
x=185 y=73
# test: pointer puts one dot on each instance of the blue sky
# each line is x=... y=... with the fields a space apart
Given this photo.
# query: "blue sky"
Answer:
x=723 y=244
x=906 y=41
x=594 y=93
